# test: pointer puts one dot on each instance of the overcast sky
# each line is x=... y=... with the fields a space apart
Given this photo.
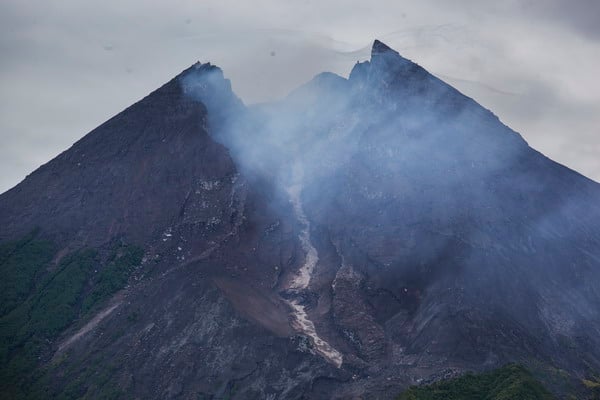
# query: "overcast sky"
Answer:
x=66 y=66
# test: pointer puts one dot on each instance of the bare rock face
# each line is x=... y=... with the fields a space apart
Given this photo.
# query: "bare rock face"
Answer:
x=133 y=176
x=359 y=236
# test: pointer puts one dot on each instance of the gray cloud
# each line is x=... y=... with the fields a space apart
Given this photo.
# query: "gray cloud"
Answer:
x=582 y=16
x=67 y=66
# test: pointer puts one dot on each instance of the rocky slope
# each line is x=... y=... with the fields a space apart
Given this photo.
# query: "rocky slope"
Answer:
x=360 y=236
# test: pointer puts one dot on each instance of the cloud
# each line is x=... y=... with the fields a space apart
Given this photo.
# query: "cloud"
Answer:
x=580 y=16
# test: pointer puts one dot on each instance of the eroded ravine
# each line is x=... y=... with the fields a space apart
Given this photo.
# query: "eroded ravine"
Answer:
x=301 y=280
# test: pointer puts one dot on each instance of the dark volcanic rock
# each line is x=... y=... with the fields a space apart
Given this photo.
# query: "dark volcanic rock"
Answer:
x=134 y=175
x=434 y=239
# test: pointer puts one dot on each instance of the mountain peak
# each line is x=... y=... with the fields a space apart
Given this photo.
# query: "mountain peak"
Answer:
x=381 y=48
x=207 y=83
x=385 y=63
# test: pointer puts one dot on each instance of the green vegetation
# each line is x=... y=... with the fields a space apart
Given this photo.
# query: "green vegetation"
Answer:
x=556 y=379
x=40 y=300
x=20 y=263
x=114 y=275
x=89 y=382
x=512 y=382
x=26 y=331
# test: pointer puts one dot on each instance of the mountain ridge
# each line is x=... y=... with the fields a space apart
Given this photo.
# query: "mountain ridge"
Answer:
x=385 y=216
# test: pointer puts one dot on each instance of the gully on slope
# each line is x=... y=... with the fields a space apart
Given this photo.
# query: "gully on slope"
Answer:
x=300 y=282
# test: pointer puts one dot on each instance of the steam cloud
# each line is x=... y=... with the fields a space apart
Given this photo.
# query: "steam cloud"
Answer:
x=422 y=181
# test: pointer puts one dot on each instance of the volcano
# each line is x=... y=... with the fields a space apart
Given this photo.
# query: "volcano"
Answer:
x=355 y=238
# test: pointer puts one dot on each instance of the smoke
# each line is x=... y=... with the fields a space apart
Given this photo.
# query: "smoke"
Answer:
x=421 y=188
x=395 y=154
x=390 y=112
